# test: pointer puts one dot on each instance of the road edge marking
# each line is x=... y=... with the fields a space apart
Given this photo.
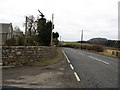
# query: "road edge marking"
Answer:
x=77 y=77
x=71 y=66
x=66 y=56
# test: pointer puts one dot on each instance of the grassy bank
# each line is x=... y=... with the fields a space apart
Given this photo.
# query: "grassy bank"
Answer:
x=102 y=53
x=58 y=57
x=74 y=43
x=113 y=53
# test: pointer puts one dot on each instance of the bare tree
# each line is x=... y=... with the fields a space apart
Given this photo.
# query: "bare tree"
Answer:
x=31 y=25
x=16 y=28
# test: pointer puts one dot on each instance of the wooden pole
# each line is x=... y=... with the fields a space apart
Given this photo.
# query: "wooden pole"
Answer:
x=26 y=30
x=52 y=30
x=81 y=38
x=60 y=38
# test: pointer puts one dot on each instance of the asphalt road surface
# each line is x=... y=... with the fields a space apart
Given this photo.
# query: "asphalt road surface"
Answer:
x=93 y=70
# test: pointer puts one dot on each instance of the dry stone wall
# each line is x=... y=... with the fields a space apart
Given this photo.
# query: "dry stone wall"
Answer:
x=20 y=55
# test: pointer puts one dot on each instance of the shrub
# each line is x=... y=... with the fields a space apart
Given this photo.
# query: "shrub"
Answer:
x=11 y=42
x=84 y=47
x=21 y=41
x=55 y=41
x=87 y=47
x=77 y=46
x=97 y=48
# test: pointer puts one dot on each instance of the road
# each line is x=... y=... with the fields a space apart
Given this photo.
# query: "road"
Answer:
x=92 y=70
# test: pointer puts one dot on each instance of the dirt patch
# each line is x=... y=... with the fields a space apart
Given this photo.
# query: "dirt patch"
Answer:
x=58 y=75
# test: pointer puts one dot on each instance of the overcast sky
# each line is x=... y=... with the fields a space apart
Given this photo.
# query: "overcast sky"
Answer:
x=97 y=18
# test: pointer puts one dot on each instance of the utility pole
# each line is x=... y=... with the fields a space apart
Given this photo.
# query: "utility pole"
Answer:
x=81 y=38
x=26 y=29
x=60 y=38
x=52 y=30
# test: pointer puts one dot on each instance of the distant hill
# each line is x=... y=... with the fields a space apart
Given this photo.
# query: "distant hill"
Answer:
x=102 y=41
x=105 y=42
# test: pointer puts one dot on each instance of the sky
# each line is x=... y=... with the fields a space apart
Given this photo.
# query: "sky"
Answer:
x=97 y=18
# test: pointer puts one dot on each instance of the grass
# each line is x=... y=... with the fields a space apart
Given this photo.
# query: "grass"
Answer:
x=109 y=52
x=58 y=57
x=75 y=43
x=101 y=53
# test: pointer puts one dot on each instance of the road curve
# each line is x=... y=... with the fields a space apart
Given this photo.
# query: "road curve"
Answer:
x=93 y=70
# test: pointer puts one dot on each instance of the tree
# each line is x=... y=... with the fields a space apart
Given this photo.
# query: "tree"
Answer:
x=55 y=35
x=16 y=28
x=55 y=38
x=44 y=29
x=31 y=25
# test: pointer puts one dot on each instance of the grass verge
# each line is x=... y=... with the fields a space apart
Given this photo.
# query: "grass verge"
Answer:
x=58 y=57
x=100 y=53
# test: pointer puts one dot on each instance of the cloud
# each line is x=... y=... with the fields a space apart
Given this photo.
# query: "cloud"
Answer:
x=98 y=18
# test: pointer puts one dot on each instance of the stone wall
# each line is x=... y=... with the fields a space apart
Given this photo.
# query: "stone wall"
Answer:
x=20 y=55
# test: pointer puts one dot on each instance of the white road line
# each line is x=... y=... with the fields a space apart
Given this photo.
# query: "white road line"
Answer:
x=81 y=53
x=71 y=66
x=91 y=57
x=105 y=62
x=66 y=56
x=99 y=60
x=77 y=77
x=102 y=61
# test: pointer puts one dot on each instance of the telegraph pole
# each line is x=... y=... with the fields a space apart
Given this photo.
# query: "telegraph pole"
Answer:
x=60 y=38
x=26 y=29
x=52 y=30
x=81 y=38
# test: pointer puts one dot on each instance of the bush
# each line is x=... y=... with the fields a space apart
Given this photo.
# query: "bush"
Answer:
x=21 y=41
x=11 y=42
x=77 y=46
x=97 y=48
x=55 y=41
x=84 y=47
x=87 y=47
